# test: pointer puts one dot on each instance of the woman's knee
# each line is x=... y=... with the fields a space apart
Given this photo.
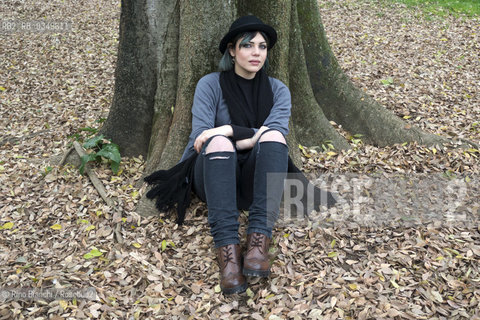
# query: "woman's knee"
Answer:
x=219 y=144
x=273 y=136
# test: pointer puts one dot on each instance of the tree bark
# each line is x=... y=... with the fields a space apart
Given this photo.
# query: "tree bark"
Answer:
x=197 y=56
x=167 y=46
x=129 y=120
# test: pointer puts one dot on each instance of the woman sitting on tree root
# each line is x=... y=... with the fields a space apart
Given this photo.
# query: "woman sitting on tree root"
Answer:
x=237 y=156
x=240 y=119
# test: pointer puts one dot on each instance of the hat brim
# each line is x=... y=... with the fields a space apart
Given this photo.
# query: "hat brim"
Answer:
x=271 y=34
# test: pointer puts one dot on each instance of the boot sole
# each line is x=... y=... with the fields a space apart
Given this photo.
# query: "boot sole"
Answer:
x=238 y=289
x=256 y=273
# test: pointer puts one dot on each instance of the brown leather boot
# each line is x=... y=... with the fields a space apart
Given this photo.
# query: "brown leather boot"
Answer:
x=256 y=262
x=230 y=263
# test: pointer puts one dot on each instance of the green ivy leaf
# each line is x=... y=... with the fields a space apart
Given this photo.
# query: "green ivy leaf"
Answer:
x=93 y=142
x=110 y=151
x=115 y=166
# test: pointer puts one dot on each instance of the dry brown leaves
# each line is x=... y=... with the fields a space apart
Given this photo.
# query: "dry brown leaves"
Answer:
x=423 y=68
x=327 y=268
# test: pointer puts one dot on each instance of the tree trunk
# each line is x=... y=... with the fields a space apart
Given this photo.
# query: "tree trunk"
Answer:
x=129 y=120
x=339 y=99
x=167 y=46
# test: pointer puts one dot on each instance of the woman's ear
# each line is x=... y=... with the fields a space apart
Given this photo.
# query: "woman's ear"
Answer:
x=231 y=50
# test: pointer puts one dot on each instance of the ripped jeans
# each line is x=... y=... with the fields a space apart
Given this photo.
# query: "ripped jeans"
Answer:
x=229 y=181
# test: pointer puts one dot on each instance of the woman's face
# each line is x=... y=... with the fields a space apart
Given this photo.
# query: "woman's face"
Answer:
x=249 y=58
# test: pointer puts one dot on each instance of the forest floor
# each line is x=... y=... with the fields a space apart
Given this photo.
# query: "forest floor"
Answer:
x=403 y=242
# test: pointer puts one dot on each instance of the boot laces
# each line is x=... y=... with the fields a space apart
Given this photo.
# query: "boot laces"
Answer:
x=257 y=242
x=228 y=254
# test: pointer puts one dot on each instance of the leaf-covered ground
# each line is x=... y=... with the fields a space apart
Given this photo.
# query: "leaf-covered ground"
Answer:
x=405 y=246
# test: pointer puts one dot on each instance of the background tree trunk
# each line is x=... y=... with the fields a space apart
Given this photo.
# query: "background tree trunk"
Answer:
x=129 y=120
x=167 y=46
x=339 y=99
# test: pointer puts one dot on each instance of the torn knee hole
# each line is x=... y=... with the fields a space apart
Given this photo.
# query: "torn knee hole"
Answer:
x=219 y=158
x=273 y=142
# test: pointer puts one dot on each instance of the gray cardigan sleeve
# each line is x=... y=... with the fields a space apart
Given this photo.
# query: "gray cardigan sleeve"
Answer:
x=282 y=104
x=204 y=108
x=204 y=111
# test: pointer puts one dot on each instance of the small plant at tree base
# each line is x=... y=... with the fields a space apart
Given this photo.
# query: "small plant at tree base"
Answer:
x=101 y=148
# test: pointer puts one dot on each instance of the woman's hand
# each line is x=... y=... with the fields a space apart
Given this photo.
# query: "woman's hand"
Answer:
x=225 y=130
x=249 y=143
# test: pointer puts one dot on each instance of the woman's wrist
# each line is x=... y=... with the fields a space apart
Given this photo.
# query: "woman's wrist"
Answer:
x=244 y=144
x=227 y=130
x=258 y=134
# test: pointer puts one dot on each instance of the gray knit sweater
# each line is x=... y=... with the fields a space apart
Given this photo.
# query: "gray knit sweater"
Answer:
x=210 y=110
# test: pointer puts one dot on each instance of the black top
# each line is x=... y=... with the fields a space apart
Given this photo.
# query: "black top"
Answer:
x=246 y=89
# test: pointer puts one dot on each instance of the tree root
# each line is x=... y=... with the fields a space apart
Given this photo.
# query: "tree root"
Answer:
x=100 y=189
x=65 y=156
x=469 y=144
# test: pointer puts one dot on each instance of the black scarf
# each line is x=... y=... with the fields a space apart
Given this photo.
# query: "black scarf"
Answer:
x=173 y=187
x=242 y=113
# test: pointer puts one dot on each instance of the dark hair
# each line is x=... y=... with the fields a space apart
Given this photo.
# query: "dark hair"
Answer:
x=226 y=63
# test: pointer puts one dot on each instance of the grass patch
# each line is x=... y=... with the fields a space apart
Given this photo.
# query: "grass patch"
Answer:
x=443 y=8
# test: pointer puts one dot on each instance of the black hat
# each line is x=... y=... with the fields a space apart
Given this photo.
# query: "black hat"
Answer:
x=248 y=23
